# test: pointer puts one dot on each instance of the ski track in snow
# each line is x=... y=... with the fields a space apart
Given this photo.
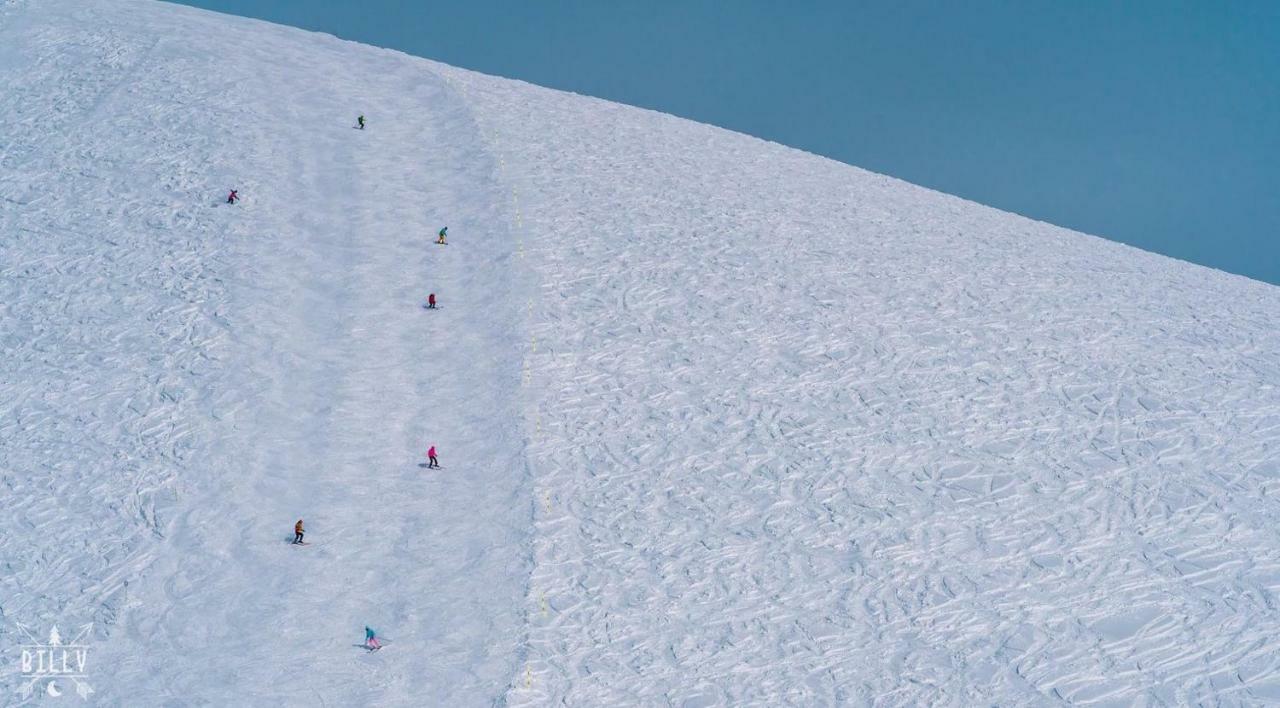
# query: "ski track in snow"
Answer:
x=723 y=423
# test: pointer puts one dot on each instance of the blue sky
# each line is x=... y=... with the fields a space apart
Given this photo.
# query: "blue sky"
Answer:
x=1155 y=123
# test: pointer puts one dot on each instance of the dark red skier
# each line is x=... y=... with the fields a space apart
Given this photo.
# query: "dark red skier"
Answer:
x=233 y=197
x=431 y=301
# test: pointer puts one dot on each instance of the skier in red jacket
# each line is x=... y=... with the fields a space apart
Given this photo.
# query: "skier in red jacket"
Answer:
x=431 y=301
x=431 y=455
x=233 y=197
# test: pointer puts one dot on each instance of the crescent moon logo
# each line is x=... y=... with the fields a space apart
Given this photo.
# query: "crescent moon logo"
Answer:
x=53 y=689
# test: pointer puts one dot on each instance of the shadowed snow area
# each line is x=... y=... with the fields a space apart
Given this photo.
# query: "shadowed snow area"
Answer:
x=722 y=423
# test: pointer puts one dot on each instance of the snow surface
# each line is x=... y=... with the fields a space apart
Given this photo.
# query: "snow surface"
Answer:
x=722 y=423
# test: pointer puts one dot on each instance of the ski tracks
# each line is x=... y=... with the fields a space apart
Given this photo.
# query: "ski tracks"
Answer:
x=109 y=317
x=803 y=435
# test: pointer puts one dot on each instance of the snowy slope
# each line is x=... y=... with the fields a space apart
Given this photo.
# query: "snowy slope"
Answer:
x=183 y=380
x=723 y=423
x=812 y=436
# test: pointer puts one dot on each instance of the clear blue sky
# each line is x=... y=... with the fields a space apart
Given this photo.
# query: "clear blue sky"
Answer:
x=1155 y=123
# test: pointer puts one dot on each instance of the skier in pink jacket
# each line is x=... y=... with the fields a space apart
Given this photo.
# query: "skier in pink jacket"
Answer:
x=431 y=455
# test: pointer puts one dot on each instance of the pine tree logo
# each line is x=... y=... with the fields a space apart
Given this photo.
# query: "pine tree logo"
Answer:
x=48 y=663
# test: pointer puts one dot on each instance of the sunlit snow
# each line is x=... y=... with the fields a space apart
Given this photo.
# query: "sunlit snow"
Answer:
x=721 y=422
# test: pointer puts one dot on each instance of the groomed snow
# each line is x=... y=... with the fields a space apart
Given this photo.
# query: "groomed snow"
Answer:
x=722 y=423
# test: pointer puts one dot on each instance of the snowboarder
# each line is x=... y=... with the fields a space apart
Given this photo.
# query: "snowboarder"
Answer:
x=371 y=639
x=441 y=235
x=233 y=197
x=431 y=301
x=297 y=532
x=360 y=121
x=431 y=456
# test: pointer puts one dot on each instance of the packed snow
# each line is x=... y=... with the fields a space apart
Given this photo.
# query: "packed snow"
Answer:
x=721 y=422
